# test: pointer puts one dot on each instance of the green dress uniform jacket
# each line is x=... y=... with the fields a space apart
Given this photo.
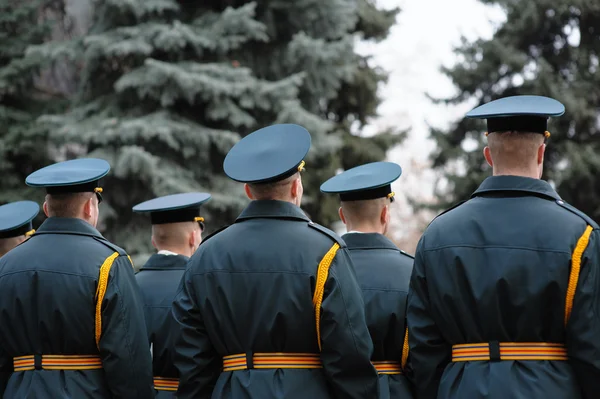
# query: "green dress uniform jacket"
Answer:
x=383 y=273
x=50 y=286
x=504 y=297
x=248 y=295
x=158 y=281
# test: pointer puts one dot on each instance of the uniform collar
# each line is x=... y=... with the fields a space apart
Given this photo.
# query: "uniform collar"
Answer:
x=166 y=252
x=165 y=262
x=368 y=241
x=516 y=184
x=272 y=209
x=56 y=225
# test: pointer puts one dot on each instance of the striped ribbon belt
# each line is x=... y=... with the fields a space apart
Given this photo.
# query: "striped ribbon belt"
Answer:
x=56 y=362
x=495 y=351
x=275 y=360
x=166 y=384
x=387 y=367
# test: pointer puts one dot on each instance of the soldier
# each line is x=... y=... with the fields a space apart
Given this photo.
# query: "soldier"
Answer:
x=383 y=271
x=15 y=223
x=71 y=316
x=269 y=307
x=505 y=285
x=176 y=233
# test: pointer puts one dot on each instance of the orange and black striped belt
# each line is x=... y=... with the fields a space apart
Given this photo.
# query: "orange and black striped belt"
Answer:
x=387 y=367
x=496 y=351
x=56 y=362
x=273 y=360
x=166 y=384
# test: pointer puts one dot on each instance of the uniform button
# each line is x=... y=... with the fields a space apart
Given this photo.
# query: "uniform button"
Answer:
x=560 y=202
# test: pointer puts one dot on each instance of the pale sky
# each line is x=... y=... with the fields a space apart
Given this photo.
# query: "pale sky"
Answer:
x=420 y=42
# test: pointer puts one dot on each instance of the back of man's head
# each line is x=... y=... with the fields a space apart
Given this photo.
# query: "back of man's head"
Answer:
x=182 y=238
x=289 y=189
x=73 y=205
x=73 y=188
x=516 y=153
x=265 y=158
x=7 y=244
x=68 y=205
x=366 y=215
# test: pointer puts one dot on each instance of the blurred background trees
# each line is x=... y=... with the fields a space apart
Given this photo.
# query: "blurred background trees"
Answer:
x=549 y=48
x=26 y=92
x=163 y=88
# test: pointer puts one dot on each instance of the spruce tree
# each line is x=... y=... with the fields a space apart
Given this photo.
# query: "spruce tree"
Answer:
x=24 y=94
x=163 y=100
x=548 y=48
x=167 y=88
x=317 y=39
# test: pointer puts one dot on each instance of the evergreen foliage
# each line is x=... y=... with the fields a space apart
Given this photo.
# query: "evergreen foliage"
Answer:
x=546 y=48
x=24 y=95
x=317 y=38
x=167 y=87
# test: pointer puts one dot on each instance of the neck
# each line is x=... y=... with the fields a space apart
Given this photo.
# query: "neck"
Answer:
x=365 y=227
x=290 y=200
x=532 y=172
x=6 y=244
x=185 y=251
x=80 y=217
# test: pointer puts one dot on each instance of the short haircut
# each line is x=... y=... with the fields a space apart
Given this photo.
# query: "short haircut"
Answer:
x=173 y=234
x=273 y=190
x=364 y=211
x=67 y=205
x=514 y=149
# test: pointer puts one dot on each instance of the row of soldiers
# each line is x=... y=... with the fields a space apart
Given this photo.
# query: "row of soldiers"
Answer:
x=500 y=300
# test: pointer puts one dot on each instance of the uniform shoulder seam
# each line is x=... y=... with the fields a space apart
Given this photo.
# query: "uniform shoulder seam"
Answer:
x=112 y=246
x=327 y=232
x=577 y=212
x=449 y=209
x=407 y=254
x=214 y=233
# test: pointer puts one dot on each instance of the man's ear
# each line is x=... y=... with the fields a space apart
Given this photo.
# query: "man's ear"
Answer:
x=192 y=238
x=295 y=189
x=45 y=207
x=248 y=191
x=488 y=156
x=88 y=206
x=341 y=213
x=540 y=154
x=154 y=243
x=385 y=214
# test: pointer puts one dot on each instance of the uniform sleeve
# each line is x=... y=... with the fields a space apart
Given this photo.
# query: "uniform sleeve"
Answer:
x=6 y=369
x=346 y=345
x=198 y=363
x=583 y=328
x=407 y=371
x=401 y=337
x=429 y=352
x=124 y=344
x=409 y=374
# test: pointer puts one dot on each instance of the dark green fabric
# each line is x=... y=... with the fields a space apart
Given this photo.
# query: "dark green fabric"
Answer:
x=497 y=268
x=47 y=306
x=158 y=280
x=249 y=289
x=383 y=273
